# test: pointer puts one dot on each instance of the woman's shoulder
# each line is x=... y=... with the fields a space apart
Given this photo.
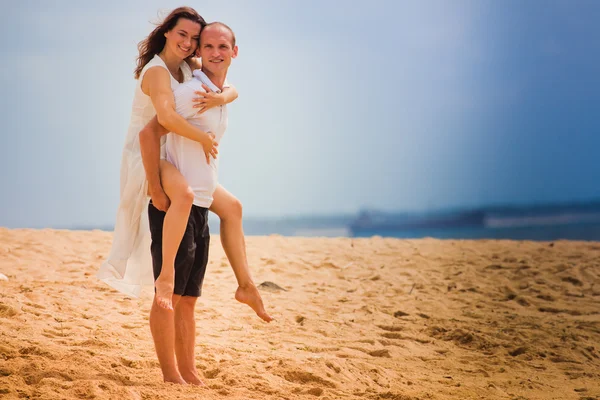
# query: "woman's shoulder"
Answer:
x=156 y=61
x=158 y=74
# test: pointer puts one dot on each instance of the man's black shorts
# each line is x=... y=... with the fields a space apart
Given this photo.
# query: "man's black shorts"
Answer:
x=192 y=256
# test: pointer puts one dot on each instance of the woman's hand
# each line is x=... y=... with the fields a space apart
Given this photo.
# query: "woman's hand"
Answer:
x=210 y=147
x=208 y=100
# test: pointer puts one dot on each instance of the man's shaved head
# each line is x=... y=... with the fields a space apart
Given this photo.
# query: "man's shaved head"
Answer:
x=222 y=26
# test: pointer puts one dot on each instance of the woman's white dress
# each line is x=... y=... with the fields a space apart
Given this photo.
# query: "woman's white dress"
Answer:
x=129 y=263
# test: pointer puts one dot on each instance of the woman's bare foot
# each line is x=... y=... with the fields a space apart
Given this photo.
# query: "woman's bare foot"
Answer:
x=164 y=291
x=249 y=295
x=193 y=379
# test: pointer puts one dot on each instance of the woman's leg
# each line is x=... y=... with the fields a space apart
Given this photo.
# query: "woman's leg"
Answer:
x=229 y=210
x=175 y=223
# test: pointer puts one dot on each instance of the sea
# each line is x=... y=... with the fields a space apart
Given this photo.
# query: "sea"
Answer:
x=545 y=222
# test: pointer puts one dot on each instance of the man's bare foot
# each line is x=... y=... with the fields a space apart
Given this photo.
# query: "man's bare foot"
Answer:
x=193 y=379
x=164 y=292
x=174 y=379
x=249 y=295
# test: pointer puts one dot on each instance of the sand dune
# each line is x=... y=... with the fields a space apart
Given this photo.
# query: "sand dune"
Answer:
x=356 y=319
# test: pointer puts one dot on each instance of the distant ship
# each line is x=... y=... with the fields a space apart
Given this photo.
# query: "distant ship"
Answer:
x=375 y=221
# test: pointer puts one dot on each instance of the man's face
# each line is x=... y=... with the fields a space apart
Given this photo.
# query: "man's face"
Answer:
x=216 y=49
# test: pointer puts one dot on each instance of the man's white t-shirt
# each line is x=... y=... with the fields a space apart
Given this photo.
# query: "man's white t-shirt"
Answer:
x=187 y=155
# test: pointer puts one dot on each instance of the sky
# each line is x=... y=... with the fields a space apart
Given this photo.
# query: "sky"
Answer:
x=390 y=105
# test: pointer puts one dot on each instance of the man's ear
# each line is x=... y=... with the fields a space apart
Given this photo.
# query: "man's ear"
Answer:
x=235 y=52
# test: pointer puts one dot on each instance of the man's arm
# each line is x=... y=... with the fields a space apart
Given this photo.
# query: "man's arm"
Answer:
x=150 y=147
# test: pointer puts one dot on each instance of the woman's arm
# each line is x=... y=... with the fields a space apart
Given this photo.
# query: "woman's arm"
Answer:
x=154 y=84
x=230 y=93
x=157 y=84
x=210 y=99
x=194 y=62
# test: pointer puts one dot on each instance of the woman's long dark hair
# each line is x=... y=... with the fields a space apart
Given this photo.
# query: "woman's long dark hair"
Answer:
x=155 y=42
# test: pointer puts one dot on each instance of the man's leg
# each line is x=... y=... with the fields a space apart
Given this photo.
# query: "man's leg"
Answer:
x=162 y=327
x=162 y=323
x=185 y=342
x=185 y=323
x=229 y=210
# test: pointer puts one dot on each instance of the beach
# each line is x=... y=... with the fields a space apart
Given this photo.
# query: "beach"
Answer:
x=356 y=318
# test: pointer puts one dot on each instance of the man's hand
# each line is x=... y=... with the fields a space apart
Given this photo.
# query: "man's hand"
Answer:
x=210 y=147
x=160 y=200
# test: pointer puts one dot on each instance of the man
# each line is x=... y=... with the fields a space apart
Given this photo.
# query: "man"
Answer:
x=174 y=332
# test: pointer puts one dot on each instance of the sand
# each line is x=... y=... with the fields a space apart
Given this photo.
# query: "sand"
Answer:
x=356 y=319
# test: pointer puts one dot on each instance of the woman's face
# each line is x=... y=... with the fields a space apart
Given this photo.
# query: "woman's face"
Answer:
x=183 y=38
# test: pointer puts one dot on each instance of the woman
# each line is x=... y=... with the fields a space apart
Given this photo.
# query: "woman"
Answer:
x=164 y=62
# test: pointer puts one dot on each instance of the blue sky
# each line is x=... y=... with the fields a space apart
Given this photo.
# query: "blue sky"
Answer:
x=396 y=105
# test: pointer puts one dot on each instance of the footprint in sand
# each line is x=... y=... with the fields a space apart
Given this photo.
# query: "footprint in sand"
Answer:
x=7 y=311
x=545 y=297
x=36 y=378
x=271 y=287
x=368 y=341
x=315 y=391
x=135 y=364
x=6 y=353
x=333 y=366
x=391 y=335
x=553 y=310
x=518 y=351
x=93 y=343
x=380 y=353
x=35 y=350
x=494 y=267
x=212 y=374
x=390 y=328
x=52 y=333
x=385 y=342
x=35 y=305
x=268 y=261
x=303 y=377
x=573 y=281
x=130 y=326
x=521 y=301
x=124 y=380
